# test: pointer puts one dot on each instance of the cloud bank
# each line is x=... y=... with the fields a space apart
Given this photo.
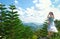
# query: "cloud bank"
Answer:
x=39 y=11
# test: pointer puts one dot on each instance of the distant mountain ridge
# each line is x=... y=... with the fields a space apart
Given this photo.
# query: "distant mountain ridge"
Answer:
x=34 y=26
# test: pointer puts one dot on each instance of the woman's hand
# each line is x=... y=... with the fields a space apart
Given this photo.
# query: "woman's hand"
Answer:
x=48 y=16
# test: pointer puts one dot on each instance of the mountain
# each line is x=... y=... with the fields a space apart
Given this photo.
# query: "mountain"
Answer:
x=34 y=26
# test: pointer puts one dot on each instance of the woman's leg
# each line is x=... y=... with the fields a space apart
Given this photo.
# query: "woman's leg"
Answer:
x=49 y=34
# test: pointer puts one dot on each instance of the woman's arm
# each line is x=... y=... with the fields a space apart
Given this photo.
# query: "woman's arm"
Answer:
x=48 y=19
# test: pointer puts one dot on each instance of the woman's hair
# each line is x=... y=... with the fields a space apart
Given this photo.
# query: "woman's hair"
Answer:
x=51 y=13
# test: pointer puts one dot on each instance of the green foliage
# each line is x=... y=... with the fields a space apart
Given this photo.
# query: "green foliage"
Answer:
x=2 y=16
x=25 y=33
x=57 y=22
x=57 y=35
x=11 y=26
x=42 y=32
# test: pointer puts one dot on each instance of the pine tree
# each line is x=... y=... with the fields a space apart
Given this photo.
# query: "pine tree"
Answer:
x=12 y=21
x=11 y=26
x=2 y=16
x=18 y=30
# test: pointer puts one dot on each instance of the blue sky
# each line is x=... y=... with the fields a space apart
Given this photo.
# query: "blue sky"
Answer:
x=22 y=3
x=35 y=10
x=7 y=2
x=25 y=3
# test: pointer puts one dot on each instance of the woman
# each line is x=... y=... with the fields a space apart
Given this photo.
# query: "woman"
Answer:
x=51 y=26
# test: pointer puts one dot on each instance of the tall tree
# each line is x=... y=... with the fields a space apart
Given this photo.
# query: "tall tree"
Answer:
x=18 y=30
x=2 y=16
x=11 y=26
x=12 y=21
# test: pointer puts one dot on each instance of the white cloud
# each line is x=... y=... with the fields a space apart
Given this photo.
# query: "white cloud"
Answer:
x=58 y=6
x=38 y=12
x=0 y=3
x=56 y=0
x=16 y=1
x=30 y=11
x=35 y=1
x=44 y=5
